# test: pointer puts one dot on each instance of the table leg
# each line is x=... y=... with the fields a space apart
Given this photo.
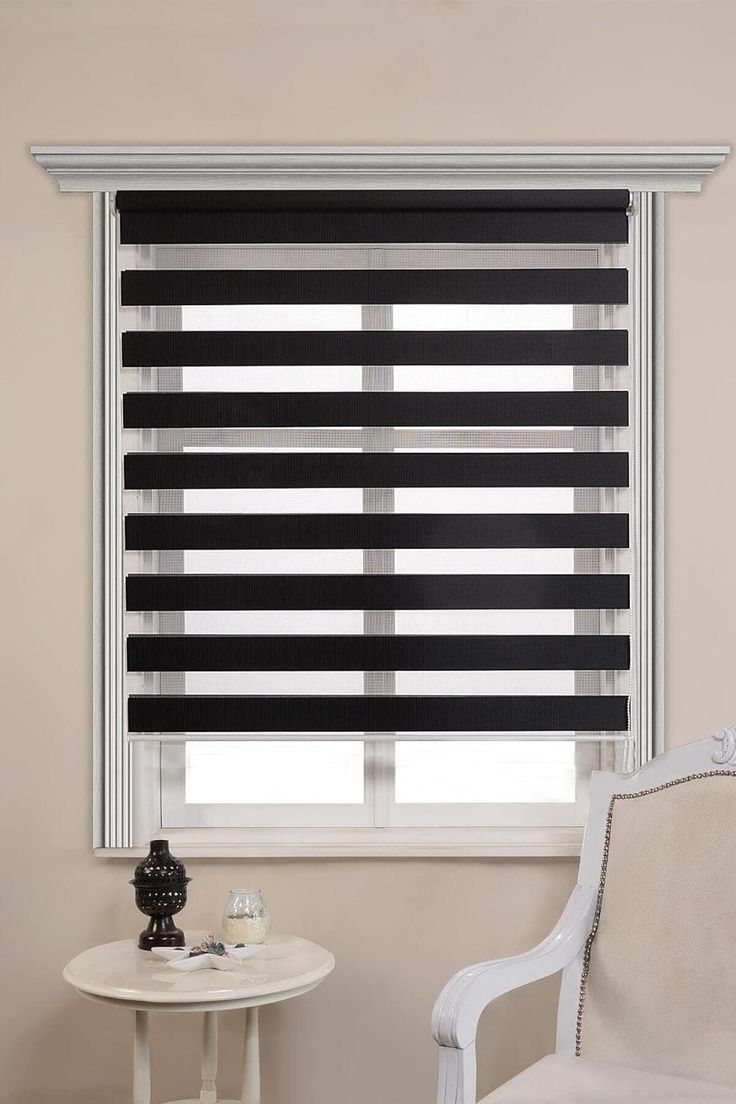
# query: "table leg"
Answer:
x=208 y=1092
x=141 y=1061
x=251 y=1093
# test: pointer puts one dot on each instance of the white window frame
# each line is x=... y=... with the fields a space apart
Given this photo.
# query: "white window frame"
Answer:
x=121 y=826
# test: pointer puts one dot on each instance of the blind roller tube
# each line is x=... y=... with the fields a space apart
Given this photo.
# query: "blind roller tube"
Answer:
x=387 y=200
x=374 y=216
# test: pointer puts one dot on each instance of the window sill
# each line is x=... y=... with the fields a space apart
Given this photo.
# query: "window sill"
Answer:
x=274 y=843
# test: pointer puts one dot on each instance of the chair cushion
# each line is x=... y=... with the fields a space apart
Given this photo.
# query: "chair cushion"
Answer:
x=661 y=989
x=562 y=1079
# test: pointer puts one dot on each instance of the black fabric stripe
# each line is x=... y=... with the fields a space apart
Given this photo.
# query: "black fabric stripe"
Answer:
x=378 y=653
x=178 y=287
x=210 y=409
x=145 y=470
x=377 y=713
x=370 y=227
x=385 y=592
x=150 y=348
x=222 y=531
x=358 y=199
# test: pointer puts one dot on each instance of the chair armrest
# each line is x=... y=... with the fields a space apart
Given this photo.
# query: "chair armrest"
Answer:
x=459 y=1005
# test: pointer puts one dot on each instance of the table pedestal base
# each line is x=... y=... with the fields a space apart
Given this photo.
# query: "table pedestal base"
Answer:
x=251 y=1090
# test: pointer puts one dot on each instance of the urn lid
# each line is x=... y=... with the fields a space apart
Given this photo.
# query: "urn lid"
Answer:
x=160 y=868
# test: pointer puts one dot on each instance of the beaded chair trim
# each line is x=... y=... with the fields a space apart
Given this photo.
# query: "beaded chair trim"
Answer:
x=602 y=882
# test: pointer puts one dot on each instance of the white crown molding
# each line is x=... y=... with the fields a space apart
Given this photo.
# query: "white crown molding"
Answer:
x=639 y=168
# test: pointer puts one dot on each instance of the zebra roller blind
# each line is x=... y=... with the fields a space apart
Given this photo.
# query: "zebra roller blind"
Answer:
x=376 y=471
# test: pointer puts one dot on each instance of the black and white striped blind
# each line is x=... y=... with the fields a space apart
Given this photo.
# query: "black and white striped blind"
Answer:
x=376 y=470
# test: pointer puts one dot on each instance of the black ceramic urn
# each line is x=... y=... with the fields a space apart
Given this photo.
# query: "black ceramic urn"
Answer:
x=160 y=892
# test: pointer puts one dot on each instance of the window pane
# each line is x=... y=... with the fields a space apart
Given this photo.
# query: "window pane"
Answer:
x=272 y=377
x=495 y=621
x=275 y=561
x=281 y=622
x=274 y=772
x=272 y=500
x=480 y=500
x=471 y=771
x=274 y=682
x=480 y=561
x=485 y=682
x=482 y=316
x=272 y=316
x=482 y=377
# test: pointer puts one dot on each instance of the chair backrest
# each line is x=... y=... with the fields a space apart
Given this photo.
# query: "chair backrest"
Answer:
x=656 y=985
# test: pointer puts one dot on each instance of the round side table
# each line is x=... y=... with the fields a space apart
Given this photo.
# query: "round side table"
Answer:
x=121 y=975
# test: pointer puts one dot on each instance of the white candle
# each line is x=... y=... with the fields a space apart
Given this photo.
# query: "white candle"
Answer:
x=244 y=929
x=246 y=919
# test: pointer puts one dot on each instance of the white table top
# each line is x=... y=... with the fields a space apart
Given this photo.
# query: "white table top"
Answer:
x=120 y=973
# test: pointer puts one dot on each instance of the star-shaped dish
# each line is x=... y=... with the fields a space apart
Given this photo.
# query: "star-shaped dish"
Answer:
x=181 y=958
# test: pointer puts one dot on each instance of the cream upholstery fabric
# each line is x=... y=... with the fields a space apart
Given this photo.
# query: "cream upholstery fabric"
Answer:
x=661 y=990
x=559 y=1079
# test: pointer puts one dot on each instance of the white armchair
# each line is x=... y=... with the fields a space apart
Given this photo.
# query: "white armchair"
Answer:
x=647 y=1007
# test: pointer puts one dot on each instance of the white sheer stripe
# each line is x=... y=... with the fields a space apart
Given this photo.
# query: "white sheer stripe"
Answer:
x=277 y=561
x=482 y=316
x=351 y=682
x=349 y=561
x=278 y=316
x=491 y=622
x=512 y=561
x=336 y=622
x=349 y=500
x=347 y=439
x=273 y=682
x=255 y=682
x=347 y=377
x=484 y=500
x=342 y=255
x=280 y=500
x=485 y=682
x=274 y=622
x=340 y=377
x=481 y=377
x=347 y=316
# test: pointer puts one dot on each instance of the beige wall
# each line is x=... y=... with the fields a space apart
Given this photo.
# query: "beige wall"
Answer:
x=166 y=71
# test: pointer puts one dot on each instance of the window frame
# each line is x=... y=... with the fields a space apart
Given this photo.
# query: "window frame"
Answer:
x=648 y=171
x=144 y=799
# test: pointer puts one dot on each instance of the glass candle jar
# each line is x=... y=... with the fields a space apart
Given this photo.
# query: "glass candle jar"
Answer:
x=246 y=919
